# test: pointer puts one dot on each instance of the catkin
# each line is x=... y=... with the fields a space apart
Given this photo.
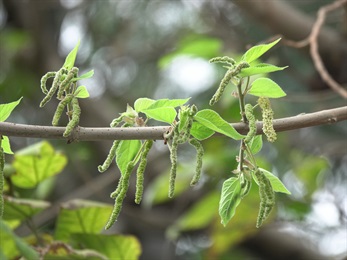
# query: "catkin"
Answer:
x=44 y=79
x=267 y=197
x=199 y=155
x=76 y=112
x=224 y=59
x=66 y=82
x=267 y=114
x=53 y=89
x=110 y=157
x=2 y=181
x=119 y=200
x=173 y=159
x=251 y=123
x=140 y=171
x=60 y=108
x=226 y=79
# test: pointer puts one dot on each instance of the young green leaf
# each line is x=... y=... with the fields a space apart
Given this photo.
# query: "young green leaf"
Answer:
x=276 y=184
x=264 y=87
x=261 y=68
x=167 y=103
x=230 y=199
x=255 y=52
x=200 y=132
x=82 y=92
x=126 y=152
x=6 y=109
x=163 y=114
x=86 y=75
x=142 y=104
x=256 y=144
x=5 y=144
x=215 y=122
x=71 y=57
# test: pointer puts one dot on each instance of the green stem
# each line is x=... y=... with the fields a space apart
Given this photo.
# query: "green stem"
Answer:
x=241 y=101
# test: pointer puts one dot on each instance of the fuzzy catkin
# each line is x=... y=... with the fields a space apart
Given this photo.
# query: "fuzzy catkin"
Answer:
x=76 y=112
x=173 y=159
x=199 y=155
x=60 y=108
x=140 y=171
x=267 y=114
x=121 y=195
x=66 y=82
x=224 y=59
x=267 y=197
x=44 y=79
x=226 y=79
x=110 y=156
x=251 y=123
x=53 y=89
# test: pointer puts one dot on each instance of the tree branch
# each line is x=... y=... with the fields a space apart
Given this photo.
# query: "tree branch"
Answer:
x=323 y=117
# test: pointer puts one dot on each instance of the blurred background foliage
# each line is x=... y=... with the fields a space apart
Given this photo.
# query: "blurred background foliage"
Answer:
x=160 y=49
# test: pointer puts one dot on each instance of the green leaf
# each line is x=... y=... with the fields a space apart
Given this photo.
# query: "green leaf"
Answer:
x=256 y=144
x=264 y=87
x=81 y=216
x=6 y=109
x=13 y=246
x=126 y=152
x=161 y=110
x=160 y=103
x=23 y=209
x=276 y=184
x=71 y=57
x=113 y=246
x=230 y=199
x=36 y=163
x=215 y=122
x=5 y=144
x=142 y=104
x=86 y=75
x=163 y=114
x=255 y=52
x=261 y=68
x=82 y=92
x=200 y=132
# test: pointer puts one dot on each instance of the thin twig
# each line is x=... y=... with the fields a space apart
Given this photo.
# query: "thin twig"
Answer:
x=312 y=41
x=323 y=117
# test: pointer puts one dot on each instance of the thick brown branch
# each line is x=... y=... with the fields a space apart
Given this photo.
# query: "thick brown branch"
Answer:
x=329 y=116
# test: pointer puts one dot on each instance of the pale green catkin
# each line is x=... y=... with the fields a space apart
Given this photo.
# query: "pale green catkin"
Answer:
x=141 y=170
x=76 y=112
x=199 y=155
x=110 y=157
x=251 y=123
x=267 y=114
x=2 y=180
x=267 y=197
x=226 y=79
x=188 y=124
x=60 y=108
x=44 y=79
x=173 y=159
x=224 y=59
x=53 y=89
x=66 y=82
x=119 y=200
